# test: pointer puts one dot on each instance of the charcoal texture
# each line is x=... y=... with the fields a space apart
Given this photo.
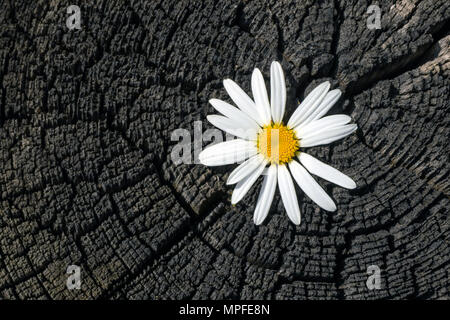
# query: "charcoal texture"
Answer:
x=86 y=176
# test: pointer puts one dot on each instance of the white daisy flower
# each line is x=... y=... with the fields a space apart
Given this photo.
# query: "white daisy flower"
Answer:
x=264 y=140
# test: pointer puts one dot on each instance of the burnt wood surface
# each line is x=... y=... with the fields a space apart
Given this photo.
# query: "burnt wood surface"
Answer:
x=86 y=176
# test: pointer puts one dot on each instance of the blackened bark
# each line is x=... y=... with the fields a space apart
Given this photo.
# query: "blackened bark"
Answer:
x=86 y=176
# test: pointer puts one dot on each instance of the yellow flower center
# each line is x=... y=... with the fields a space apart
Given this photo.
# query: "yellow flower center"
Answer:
x=277 y=143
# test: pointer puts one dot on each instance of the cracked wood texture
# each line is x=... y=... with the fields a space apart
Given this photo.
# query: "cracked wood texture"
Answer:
x=86 y=176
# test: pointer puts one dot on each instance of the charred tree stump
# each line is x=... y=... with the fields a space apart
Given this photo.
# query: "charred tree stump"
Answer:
x=86 y=177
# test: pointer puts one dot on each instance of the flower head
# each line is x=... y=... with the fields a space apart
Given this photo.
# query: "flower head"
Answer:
x=264 y=141
x=277 y=143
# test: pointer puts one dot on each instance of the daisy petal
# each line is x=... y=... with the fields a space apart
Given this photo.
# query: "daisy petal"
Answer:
x=326 y=104
x=245 y=168
x=277 y=91
x=245 y=184
x=327 y=136
x=326 y=171
x=234 y=113
x=288 y=194
x=242 y=100
x=232 y=127
x=311 y=187
x=260 y=96
x=326 y=122
x=266 y=195
x=309 y=105
x=227 y=152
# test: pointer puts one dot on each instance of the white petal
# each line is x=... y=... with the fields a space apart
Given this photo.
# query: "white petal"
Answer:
x=326 y=171
x=245 y=168
x=234 y=113
x=326 y=122
x=227 y=152
x=245 y=184
x=242 y=100
x=265 y=195
x=277 y=92
x=327 y=135
x=326 y=104
x=288 y=194
x=232 y=127
x=309 y=105
x=260 y=96
x=311 y=187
